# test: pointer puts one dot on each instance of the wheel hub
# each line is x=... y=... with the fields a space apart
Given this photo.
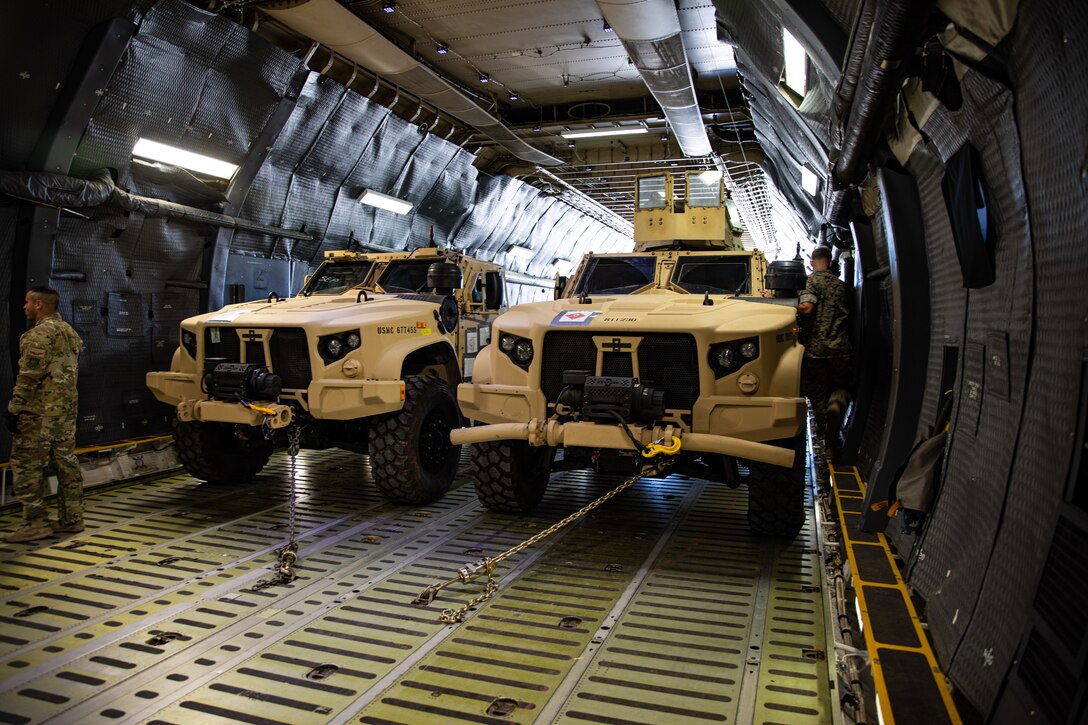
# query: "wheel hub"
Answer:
x=434 y=441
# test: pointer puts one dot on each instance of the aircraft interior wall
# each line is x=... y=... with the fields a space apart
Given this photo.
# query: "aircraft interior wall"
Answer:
x=1013 y=349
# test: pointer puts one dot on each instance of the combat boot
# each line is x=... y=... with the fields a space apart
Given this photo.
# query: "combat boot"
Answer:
x=72 y=527
x=832 y=424
x=29 y=531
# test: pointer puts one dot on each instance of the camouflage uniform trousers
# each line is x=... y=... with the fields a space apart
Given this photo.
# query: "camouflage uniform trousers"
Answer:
x=31 y=450
x=827 y=380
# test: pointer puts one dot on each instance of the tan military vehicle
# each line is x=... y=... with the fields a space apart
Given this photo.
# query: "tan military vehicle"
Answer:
x=671 y=340
x=366 y=358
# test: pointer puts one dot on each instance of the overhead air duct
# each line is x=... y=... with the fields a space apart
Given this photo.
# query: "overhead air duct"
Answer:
x=69 y=192
x=651 y=34
x=896 y=31
x=334 y=26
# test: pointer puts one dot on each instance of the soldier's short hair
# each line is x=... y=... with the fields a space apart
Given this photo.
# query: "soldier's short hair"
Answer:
x=48 y=296
x=823 y=253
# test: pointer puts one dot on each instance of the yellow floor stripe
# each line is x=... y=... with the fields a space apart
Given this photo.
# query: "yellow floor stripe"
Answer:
x=873 y=646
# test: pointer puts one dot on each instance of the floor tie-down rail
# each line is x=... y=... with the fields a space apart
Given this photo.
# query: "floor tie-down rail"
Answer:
x=658 y=606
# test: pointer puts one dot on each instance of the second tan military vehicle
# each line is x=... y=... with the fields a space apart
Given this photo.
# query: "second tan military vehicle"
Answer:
x=673 y=340
x=366 y=358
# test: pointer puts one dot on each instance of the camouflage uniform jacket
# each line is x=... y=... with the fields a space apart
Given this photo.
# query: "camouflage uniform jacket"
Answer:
x=48 y=366
x=830 y=336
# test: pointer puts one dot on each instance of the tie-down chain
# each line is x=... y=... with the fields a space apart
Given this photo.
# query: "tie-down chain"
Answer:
x=487 y=565
x=287 y=555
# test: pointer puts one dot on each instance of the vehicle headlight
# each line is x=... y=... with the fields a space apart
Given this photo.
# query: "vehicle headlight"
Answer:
x=188 y=341
x=518 y=349
x=726 y=357
x=335 y=346
x=523 y=352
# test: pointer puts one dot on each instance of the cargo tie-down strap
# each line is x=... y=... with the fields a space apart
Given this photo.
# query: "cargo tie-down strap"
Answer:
x=486 y=566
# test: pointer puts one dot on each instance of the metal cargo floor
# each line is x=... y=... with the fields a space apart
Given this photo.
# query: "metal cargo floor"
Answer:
x=657 y=607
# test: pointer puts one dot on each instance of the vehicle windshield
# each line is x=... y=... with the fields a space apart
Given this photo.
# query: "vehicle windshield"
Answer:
x=334 y=278
x=617 y=275
x=718 y=275
x=405 y=275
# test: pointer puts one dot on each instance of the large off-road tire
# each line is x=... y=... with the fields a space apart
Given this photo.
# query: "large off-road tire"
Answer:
x=215 y=453
x=410 y=450
x=510 y=476
x=776 y=495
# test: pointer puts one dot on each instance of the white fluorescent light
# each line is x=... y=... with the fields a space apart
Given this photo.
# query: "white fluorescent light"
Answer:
x=384 y=201
x=795 y=62
x=597 y=132
x=155 y=151
x=520 y=252
x=809 y=182
x=563 y=266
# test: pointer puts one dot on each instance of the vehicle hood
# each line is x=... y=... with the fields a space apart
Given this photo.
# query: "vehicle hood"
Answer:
x=341 y=311
x=652 y=312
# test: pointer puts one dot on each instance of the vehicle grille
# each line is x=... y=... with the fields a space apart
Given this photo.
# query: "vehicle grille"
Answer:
x=291 y=357
x=667 y=361
x=255 y=353
x=228 y=349
x=290 y=353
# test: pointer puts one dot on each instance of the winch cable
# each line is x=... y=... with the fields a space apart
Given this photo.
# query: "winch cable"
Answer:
x=287 y=555
x=486 y=566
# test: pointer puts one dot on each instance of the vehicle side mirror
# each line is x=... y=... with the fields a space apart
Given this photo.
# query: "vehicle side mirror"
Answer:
x=560 y=285
x=492 y=290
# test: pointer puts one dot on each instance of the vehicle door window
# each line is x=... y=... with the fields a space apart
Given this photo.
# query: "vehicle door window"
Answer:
x=405 y=275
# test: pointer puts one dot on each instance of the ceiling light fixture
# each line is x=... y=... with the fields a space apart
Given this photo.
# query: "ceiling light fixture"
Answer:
x=513 y=95
x=389 y=7
x=384 y=201
x=664 y=137
x=562 y=266
x=607 y=27
x=442 y=49
x=809 y=181
x=597 y=132
x=484 y=78
x=795 y=63
x=520 y=252
x=155 y=151
x=536 y=129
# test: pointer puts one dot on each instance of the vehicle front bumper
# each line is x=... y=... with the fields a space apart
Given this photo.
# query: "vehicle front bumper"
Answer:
x=325 y=400
x=741 y=423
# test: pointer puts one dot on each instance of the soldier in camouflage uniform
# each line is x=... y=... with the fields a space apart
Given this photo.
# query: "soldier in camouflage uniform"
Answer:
x=42 y=419
x=826 y=377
